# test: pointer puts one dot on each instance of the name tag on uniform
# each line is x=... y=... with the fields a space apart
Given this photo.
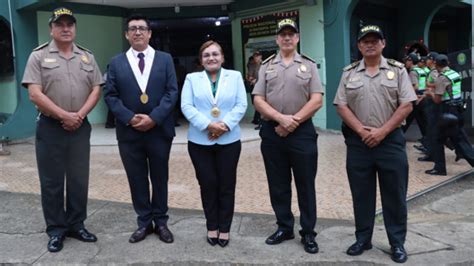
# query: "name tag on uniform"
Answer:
x=50 y=60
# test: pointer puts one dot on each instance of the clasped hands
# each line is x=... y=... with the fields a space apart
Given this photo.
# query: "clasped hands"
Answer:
x=142 y=122
x=71 y=121
x=372 y=136
x=287 y=124
x=216 y=129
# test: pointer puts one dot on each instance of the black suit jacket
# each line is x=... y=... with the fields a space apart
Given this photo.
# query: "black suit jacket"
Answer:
x=122 y=95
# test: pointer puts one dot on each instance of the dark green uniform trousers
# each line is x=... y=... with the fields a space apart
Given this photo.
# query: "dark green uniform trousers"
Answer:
x=389 y=162
x=297 y=153
x=63 y=156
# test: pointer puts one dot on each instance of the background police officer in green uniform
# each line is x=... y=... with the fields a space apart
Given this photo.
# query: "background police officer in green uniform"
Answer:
x=447 y=95
x=287 y=94
x=418 y=79
x=63 y=81
x=373 y=98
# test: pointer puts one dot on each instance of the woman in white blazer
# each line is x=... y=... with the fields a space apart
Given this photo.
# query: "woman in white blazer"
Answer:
x=214 y=101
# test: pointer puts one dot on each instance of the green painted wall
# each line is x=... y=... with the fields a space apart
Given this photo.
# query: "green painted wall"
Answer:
x=8 y=95
x=102 y=35
x=311 y=41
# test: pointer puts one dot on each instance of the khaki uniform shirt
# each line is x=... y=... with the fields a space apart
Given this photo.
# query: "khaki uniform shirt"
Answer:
x=413 y=77
x=442 y=83
x=288 y=88
x=373 y=100
x=67 y=82
x=432 y=76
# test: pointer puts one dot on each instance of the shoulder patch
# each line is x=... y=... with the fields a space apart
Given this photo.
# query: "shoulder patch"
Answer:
x=395 y=63
x=308 y=58
x=268 y=59
x=351 y=66
x=41 y=46
x=83 y=48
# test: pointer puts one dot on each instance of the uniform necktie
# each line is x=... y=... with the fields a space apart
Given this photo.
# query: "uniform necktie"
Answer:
x=141 y=63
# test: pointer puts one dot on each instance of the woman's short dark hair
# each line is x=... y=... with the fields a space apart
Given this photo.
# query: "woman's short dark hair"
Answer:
x=137 y=17
x=207 y=44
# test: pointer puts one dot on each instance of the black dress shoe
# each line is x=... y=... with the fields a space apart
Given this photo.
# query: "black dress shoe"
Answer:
x=55 y=243
x=82 y=235
x=435 y=172
x=420 y=148
x=222 y=242
x=399 y=254
x=164 y=234
x=212 y=240
x=425 y=159
x=310 y=244
x=358 y=248
x=458 y=157
x=140 y=234
x=278 y=237
x=258 y=127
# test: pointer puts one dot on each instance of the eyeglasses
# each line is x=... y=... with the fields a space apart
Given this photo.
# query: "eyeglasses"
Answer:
x=139 y=28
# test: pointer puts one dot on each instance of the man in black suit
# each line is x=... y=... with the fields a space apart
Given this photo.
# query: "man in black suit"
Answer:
x=141 y=91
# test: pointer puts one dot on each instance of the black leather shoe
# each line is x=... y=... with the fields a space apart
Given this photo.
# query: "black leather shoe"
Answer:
x=164 y=233
x=212 y=241
x=278 y=237
x=55 y=243
x=310 y=244
x=458 y=157
x=420 y=148
x=140 y=234
x=358 y=248
x=399 y=254
x=258 y=127
x=82 y=235
x=435 y=172
x=222 y=242
x=425 y=159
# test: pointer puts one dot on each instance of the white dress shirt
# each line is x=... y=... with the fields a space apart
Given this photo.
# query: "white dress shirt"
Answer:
x=142 y=78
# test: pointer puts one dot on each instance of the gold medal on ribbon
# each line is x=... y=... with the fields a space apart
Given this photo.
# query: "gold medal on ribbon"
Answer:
x=390 y=74
x=144 y=98
x=215 y=112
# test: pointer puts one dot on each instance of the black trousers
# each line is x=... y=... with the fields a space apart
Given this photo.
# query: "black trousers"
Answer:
x=431 y=114
x=389 y=162
x=418 y=114
x=216 y=172
x=456 y=135
x=149 y=154
x=63 y=156
x=298 y=154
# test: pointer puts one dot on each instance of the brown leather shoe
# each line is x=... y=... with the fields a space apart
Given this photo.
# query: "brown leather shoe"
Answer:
x=164 y=233
x=140 y=234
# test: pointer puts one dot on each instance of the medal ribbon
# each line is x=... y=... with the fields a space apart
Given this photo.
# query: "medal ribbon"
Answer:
x=214 y=87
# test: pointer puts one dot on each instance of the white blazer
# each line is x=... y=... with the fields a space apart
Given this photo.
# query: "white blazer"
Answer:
x=197 y=102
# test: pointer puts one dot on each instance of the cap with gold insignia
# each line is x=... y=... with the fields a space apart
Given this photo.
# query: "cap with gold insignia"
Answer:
x=60 y=12
x=370 y=29
x=286 y=23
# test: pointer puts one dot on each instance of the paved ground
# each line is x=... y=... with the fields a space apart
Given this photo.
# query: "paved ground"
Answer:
x=441 y=228
x=108 y=181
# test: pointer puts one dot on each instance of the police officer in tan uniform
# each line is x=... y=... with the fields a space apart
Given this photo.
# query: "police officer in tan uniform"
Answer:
x=288 y=93
x=373 y=98
x=63 y=81
x=447 y=97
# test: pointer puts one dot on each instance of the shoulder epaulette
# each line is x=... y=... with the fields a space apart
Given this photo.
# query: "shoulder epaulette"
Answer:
x=308 y=58
x=41 y=46
x=351 y=66
x=395 y=63
x=268 y=59
x=83 y=48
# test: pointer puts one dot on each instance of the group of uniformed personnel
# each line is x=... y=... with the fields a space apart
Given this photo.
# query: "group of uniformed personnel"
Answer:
x=374 y=97
x=438 y=110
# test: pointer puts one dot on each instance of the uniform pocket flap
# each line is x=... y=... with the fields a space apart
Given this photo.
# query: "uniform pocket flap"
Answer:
x=87 y=67
x=389 y=83
x=354 y=85
x=49 y=65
